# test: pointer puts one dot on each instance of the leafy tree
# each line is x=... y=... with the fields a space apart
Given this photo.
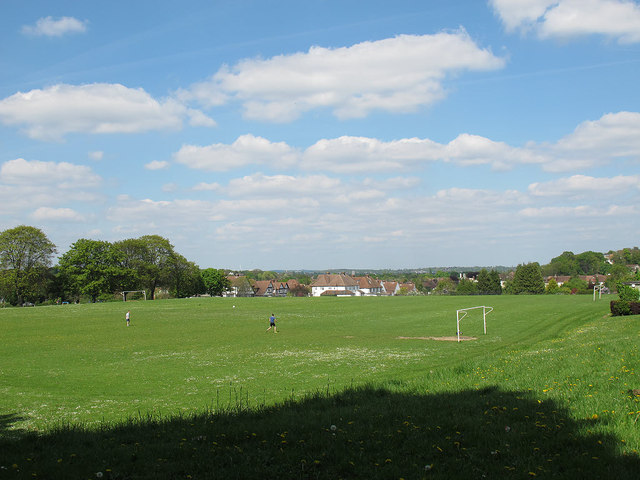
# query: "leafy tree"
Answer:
x=618 y=273
x=25 y=257
x=489 y=282
x=93 y=268
x=527 y=280
x=627 y=293
x=299 y=290
x=243 y=285
x=484 y=286
x=215 y=281
x=466 y=287
x=552 y=287
x=565 y=264
x=184 y=277
x=576 y=285
x=150 y=256
x=445 y=286
x=591 y=263
x=495 y=283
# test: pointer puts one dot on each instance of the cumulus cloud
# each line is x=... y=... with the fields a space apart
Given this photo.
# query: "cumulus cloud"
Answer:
x=99 y=108
x=157 y=165
x=245 y=150
x=396 y=75
x=44 y=214
x=615 y=136
x=562 y=213
x=52 y=27
x=61 y=175
x=283 y=186
x=26 y=185
x=569 y=18
x=586 y=186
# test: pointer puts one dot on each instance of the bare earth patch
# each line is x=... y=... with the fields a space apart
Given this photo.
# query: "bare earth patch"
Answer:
x=443 y=339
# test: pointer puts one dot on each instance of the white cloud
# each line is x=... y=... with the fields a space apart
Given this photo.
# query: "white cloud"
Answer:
x=204 y=187
x=397 y=75
x=97 y=108
x=569 y=18
x=613 y=136
x=245 y=150
x=282 y=186
x=27 y=185
x=585 y=186
x=157 y=165
x=563 y=213
x=96 y=156
x=61 y=175
x=362 y=154
x=51 y=27
x=44 y=214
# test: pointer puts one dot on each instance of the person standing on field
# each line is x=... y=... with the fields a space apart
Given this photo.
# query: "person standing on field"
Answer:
x=272 y=323
x=127 y=317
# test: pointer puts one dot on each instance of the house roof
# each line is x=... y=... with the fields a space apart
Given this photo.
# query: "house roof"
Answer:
x=261 y=286
x=334 y=293
x=367 y=282
x=390 y=286
x=334 y=280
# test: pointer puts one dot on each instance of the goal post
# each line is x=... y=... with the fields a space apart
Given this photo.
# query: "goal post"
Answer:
x=598 y=288
x=461 y=313
x=124 y=294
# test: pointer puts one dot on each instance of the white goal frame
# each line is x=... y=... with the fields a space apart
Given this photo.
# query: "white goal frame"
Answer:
x=599 y=289
x=485 y=311
x=124 y=294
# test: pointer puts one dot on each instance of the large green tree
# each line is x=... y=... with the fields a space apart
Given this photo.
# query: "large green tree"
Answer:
x=184 y=277
x=565 y=264
x=94 y=268
x=489 y=282
x=527 y=280
x=25 y=258
x=215 y=281
x=151 y=257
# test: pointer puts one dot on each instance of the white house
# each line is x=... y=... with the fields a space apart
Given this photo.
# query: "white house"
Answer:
x=334 y=284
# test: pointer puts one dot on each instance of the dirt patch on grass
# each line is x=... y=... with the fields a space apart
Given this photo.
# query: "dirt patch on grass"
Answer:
x=443 y=339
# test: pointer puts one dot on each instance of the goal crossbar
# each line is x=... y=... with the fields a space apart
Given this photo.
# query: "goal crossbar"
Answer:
x=464 y=311
x=124 y=294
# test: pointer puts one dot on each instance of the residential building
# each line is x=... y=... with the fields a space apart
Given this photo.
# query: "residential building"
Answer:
x=334 y=284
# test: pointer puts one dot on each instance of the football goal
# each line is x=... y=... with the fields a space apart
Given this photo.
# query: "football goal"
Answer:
x=460 y=314
x=137 y=295
x=598 y=288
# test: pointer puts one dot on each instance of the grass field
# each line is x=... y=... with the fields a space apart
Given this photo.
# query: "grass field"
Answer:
x=196 y=388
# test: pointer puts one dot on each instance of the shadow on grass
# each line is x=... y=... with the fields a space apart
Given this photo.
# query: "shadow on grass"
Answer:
x=6 y=425
x=362 y=432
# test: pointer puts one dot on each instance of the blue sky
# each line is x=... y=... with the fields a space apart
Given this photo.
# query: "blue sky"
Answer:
x=325 y=134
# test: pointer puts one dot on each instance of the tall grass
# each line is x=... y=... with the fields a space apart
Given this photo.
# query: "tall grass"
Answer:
x=197 y=389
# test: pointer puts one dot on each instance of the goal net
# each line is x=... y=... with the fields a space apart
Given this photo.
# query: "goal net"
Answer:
x=462 y=313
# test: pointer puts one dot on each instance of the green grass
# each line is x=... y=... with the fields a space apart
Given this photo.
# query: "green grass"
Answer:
x=196 y=389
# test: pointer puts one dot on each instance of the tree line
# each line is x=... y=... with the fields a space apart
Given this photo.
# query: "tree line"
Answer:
x=96 y=269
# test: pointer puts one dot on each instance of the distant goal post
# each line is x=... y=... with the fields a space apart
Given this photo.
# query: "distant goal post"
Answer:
x=125 y=293
x=461 y=313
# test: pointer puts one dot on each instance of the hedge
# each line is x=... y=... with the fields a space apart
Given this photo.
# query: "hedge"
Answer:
x=620 y=307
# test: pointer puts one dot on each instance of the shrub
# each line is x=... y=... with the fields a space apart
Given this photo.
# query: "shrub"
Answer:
x=627 y=293
x=622 y=307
